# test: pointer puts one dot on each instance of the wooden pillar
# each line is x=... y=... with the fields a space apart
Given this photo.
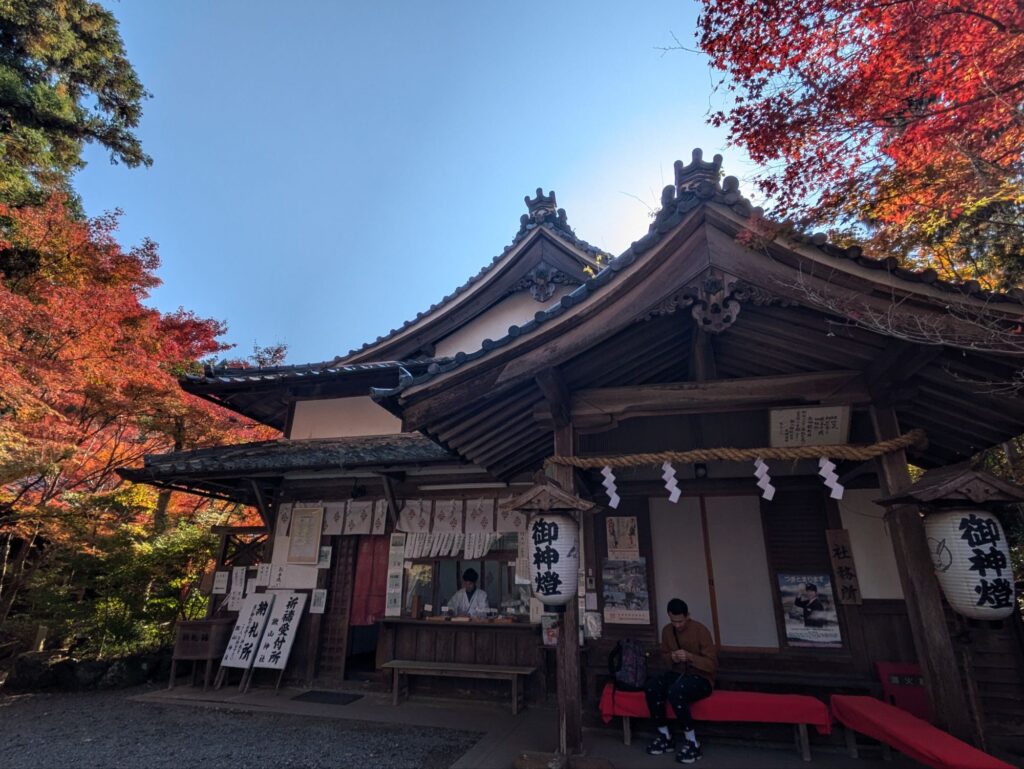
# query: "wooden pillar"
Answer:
x=570 y=709
x=935 y=653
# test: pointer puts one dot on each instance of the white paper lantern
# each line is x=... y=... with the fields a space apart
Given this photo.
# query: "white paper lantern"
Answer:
x=972 y=562
x=554 y=557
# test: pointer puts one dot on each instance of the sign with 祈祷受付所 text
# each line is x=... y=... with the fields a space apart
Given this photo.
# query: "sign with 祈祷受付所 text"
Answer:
x=281 y=628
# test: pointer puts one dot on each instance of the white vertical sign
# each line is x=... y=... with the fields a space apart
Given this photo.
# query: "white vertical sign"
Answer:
x=248 y=631
x=280 y=635
x=396 y=570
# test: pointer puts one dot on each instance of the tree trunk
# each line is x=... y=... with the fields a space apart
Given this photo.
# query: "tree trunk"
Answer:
x=18 y=577
x=164 y=499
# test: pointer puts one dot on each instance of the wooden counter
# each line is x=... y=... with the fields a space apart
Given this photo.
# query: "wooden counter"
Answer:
x=481 y=643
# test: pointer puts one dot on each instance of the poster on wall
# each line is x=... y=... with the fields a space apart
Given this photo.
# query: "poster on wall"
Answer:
x=626 y=599
x=809 y=611
x=623 y=542
x=304 y=539
x=380 y=517
x=396 y=570
x=359 y=518
x=334 y=518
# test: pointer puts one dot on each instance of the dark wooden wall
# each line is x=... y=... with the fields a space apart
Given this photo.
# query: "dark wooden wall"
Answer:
x=515 y=644
x=794 y=532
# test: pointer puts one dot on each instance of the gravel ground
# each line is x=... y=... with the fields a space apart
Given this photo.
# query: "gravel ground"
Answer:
x=105 y=729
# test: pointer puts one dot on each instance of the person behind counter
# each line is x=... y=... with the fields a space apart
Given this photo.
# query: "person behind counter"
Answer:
x=470 y=601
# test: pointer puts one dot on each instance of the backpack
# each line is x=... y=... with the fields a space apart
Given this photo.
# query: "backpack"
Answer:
x=627 y=664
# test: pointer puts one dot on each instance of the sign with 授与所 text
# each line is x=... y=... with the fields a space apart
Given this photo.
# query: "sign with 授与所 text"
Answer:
x=813 y=426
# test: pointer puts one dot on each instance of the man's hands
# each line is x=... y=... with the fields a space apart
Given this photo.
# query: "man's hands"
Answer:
x=680 y=655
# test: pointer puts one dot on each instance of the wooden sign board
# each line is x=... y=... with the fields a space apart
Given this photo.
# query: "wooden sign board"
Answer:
x=814 y=426
x=282 y=625
x=248 y=631
x=843 y=566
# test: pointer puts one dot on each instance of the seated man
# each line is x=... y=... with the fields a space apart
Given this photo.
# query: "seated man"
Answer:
x=687 y=646
x=469 y=601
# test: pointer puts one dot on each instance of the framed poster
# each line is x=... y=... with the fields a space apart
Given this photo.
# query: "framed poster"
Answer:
x=626 y=598
x=623 y=543
x=809 y=611
x=304 y=540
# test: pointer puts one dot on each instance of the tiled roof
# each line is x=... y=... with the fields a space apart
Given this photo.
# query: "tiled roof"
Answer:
x=696 y=183
x=284 y=455
x=305 y=372
x=555 y=224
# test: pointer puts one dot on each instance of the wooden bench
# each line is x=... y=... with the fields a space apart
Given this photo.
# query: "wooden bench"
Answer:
x=756 y=707
x=403 y=668
x=910 y=735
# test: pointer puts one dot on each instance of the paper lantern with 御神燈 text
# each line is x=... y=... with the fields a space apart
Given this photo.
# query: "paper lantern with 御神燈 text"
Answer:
x=972 y=562
x=554 y=557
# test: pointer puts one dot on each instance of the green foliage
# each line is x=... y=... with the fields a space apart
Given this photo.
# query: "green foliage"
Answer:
x=121 y=593
x=64 y=81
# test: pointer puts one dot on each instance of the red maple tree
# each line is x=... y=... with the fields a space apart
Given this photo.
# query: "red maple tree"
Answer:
x=903 y=116
x=88 y=382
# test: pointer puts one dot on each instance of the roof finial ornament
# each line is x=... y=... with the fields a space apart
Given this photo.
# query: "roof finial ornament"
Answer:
x=691 y=175
x=544 y=210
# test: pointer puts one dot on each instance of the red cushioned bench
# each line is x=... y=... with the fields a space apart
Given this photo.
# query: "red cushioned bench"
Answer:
x=797 y=709
x=908 y=734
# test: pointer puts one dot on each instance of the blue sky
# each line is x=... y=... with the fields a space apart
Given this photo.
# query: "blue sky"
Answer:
x=325 y=170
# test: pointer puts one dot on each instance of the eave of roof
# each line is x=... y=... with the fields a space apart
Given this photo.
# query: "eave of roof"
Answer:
x=677 y=204
x=283 y=456
x=229 y=377
x=591 y=256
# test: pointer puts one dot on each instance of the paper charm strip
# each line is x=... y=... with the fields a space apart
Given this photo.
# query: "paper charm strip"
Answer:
x=610 y=487
x=827 y=470
x=764 y=480
x=668 y=474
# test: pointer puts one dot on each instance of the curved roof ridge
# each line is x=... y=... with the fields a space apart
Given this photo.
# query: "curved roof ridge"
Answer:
x=540 y=216
x=696 y=183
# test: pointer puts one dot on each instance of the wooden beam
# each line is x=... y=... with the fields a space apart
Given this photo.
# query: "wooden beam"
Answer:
x=261 y=504
x=552 y=384
x=389 y=495
x=702 y=357
x=934 y=647
x=594 y=409
x=898 y=363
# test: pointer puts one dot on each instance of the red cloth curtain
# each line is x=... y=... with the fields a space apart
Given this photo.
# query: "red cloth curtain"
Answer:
x=370 y=587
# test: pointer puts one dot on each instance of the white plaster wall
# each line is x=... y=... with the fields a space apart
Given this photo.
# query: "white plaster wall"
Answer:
x=743 y=587
x=342 y=418
x=680 y=569
x=514 y=310
x=872 y=545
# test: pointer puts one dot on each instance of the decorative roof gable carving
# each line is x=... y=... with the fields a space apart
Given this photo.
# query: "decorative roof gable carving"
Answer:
x=542 y=280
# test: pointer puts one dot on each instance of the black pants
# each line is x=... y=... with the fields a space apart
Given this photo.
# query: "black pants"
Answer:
x=679 y=691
